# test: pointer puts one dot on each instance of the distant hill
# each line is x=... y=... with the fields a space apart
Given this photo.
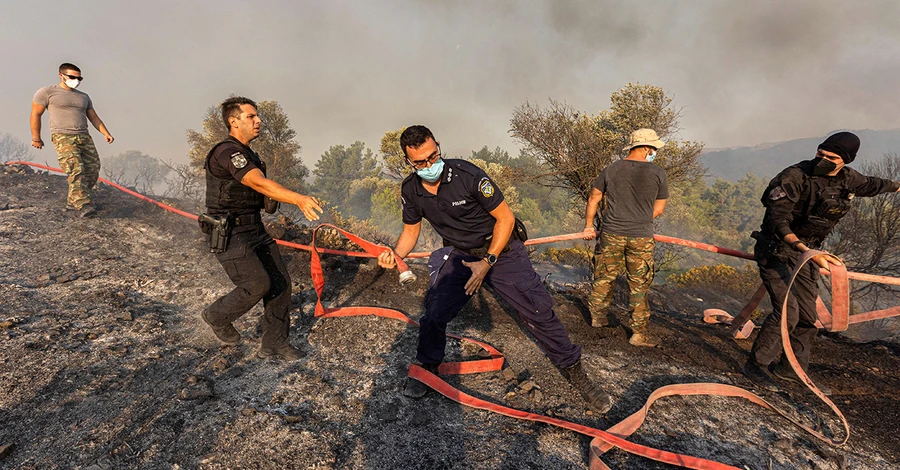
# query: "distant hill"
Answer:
x=766 y=160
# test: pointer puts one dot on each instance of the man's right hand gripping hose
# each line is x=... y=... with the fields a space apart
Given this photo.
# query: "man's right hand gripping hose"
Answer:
x=388 y=260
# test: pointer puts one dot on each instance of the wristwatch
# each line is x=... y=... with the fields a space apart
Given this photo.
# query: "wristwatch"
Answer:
x=491 y=259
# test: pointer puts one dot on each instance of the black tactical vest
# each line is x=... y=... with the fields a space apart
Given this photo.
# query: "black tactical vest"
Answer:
x=821 y=204
x=227 y=195
x=827 y=204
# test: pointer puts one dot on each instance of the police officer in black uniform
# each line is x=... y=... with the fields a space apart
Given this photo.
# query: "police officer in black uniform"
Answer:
x=236 y=190
x=466 y=208
x=803 y=204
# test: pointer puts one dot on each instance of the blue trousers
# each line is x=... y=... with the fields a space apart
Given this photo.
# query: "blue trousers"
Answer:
x=513 y=278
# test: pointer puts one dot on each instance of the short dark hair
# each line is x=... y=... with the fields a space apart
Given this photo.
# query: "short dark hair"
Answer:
x=415 y=136
x=232 y=108
x=67 y=66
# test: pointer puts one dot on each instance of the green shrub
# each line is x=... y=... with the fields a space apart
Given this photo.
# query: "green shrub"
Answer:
x=741 y=282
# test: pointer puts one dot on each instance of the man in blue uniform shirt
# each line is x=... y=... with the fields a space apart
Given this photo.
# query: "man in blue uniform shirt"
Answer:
x=465 y=207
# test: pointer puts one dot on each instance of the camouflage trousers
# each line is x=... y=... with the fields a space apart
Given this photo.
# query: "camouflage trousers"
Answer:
x=636 y=253
x=79 y=159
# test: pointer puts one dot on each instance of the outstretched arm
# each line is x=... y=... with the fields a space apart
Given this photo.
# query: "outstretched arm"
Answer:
x=257 y=181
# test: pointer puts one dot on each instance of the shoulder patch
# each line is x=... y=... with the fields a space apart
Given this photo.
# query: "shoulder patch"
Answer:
x=777 y=193
x=485 y=187
x=238 y=160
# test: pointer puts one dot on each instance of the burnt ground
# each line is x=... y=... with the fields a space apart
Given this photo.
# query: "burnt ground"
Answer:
x=105 y=363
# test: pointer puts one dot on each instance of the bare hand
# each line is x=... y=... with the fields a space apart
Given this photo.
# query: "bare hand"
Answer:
x=479 y=269
x=826 y=259
x=309 y=205
x=386 y=259
x=109 y=138
x=38 y=144
x=589 y=233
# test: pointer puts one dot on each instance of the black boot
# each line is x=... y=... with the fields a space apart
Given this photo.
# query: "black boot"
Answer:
x=759 y=374
x=598 y=400
x=87 y=210
x=416 y=389
x=227 y=334
x=785 y=372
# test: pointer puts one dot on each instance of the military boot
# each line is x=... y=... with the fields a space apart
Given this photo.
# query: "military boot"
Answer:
x=87 y=210
x=598 y=400
x=226 y=334
x=599 y=320
x=416 y=389
x=785 y=372
x=642 y=338
x=759 y=375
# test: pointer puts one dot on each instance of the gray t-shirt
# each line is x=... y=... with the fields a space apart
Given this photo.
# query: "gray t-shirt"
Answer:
x=630 y=188
x=67 y=109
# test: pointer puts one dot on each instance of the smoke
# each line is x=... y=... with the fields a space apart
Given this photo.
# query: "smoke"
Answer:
x=744 y=72
x=749 y=72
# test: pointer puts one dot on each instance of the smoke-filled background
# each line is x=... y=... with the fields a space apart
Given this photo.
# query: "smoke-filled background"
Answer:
x=743 y=72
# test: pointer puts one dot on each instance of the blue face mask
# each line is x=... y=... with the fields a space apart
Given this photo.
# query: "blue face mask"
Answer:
x=651 y=156
x=432 y=173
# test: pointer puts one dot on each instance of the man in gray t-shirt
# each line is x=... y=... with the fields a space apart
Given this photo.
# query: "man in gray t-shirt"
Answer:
x=636 y=191
x=70 y=111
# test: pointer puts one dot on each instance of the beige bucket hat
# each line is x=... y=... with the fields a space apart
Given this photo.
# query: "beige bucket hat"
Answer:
x=646 y=137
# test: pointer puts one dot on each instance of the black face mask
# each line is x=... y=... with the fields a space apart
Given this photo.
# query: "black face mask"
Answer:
x=823 y=167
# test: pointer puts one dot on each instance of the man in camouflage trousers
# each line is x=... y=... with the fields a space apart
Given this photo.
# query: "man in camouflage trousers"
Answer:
x=636 y=192
x=79 y=159
x=70 y=111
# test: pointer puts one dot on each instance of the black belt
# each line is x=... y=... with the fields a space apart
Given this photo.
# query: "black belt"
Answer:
x=247 y=219
x=479 y=252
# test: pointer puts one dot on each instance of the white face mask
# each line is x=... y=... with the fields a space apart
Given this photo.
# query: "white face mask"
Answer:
x=651 y=156
x=72 y=83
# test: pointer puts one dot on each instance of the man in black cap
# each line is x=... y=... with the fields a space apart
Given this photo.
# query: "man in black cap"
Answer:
x=803 y=204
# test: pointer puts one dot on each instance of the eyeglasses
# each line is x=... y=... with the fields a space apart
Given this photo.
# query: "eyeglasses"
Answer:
x=428 y=161
x=73 y=77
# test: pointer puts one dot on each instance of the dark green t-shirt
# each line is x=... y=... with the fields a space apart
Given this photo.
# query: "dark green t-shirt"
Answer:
x=630 y=188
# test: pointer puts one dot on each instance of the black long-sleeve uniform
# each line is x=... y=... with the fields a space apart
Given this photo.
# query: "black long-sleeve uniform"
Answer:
x=809 y=207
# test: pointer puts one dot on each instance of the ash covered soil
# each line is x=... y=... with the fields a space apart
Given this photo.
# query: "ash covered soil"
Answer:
x=105 y=363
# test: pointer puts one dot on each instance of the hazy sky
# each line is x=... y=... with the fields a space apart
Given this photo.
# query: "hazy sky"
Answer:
x=744 y=72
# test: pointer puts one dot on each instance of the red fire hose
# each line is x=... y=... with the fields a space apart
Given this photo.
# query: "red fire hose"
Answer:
x=614 y=436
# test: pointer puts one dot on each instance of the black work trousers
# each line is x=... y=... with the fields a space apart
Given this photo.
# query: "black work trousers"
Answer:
x=775 y=271
x=254 y=264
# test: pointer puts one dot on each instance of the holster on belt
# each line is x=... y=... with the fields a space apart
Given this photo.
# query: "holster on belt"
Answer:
x=219 y=230
x=270 y=205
